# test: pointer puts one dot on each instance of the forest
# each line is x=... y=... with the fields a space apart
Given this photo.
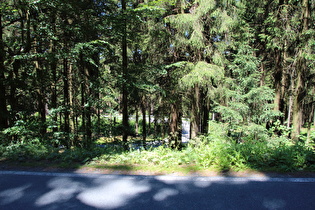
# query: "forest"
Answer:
x=99 y=81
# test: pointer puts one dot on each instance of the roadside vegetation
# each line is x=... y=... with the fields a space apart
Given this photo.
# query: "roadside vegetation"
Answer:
x=219 y=151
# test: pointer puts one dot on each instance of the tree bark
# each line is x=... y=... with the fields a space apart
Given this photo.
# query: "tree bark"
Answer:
x=280 y=72
x=66 y=102
x=137 y=122
x=13 y=78
x=53 y=68
x=40 y=89
x=149 y=117
x=175 y=123
x=144 y=122
x=41 y=101
x=205 y=107
x=125 y=120
x=71 y=100
x=301 y=68
x=85 y=103
x=3 y=98
x=309 y=121
x=195 y=113
x=297 y=107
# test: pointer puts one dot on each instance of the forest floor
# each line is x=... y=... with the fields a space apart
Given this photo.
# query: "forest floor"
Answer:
x=44 y=166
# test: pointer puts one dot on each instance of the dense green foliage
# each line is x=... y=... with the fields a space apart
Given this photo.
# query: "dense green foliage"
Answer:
x=213 y=152
x=240 y=72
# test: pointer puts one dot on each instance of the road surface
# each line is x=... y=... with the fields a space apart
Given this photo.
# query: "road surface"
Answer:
x=44 y=190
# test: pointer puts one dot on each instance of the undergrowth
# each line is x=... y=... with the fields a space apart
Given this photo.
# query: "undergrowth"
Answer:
x=211 y=152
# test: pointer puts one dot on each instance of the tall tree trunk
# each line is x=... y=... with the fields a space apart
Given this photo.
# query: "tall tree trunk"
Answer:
x=3 y=99
x=71 y=101
x=53 y=68
x=125 y=120
x=144 y=122
x=175 y=123
x=280 y=71
x=301 y=68
x=205 y=111
x=149 y=117
x=66 y=102
x=40 y=81
x=297 y=106
x=195 y=113
x=137 y=121
x=83 y=101
x=88 y=110
x=98 y=112
x=88 y=127
x=278 y=94
x=3 y=104
x=280 y=80
x=309 y=120
x=94 y=93
x=156 y=125
x=13 y=78
x=290 y=105
x=41 y=101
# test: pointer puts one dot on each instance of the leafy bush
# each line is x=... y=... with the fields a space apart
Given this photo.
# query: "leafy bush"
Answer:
x=24 y=150
x=21 y=131
x=277 y=154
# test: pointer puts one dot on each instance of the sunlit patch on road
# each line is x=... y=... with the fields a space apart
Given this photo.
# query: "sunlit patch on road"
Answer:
x=12 y=195
x=112 y=194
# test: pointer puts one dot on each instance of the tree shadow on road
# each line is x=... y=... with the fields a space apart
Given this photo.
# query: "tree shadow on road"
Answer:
x=29 y=190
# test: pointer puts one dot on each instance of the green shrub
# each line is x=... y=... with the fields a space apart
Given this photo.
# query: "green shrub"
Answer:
x=24 y=150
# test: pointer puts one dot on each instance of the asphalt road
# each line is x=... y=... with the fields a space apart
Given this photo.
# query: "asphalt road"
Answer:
x=41 y=190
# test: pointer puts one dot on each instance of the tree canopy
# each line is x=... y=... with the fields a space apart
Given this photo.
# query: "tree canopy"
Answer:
x=70 y=69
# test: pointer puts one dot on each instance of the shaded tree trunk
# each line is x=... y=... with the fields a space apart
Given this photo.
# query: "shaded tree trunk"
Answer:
x=66 y=102
x=137 y=122
x=301 y=71
x=41 y=102
x=175 y=123
x=85 y=103
x=149 y=118
x=125 y=120
x=195 y=113
x=144 y=122
x=199 y=112
x=14 y=80
x=40 y=86
x=310 y=120
x=71 y=101
x=3 y=98
x=281 y=68
x=53 y=68
x=205 y=107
